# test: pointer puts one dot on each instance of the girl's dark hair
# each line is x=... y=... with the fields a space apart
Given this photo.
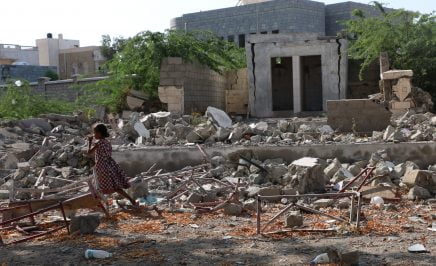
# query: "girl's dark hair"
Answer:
x=102 y=129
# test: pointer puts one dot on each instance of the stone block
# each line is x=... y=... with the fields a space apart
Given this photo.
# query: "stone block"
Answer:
x=357 y=115
x=85 y=224
x=419 y=178
x=397 y=74
x=294 y=219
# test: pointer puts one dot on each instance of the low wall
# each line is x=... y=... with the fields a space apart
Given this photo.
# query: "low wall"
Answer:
x=26 y=72
x=175 y=158
x=67 y=90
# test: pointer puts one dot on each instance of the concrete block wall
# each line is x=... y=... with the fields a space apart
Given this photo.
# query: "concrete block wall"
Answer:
x=202 y=87
x=29 y=73
x=337 y=13
x=237 y=91
x=287 y=16
x=67 y=90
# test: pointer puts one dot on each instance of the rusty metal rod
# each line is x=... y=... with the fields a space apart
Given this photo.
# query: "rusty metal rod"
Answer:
x=326 y=195
x=55 y=206
x=320 y=213
x=35 y=236
x=277 y=216
x=258 y=211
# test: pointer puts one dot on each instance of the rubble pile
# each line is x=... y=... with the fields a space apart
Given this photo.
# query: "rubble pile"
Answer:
x=166 y=128
x=43 y=153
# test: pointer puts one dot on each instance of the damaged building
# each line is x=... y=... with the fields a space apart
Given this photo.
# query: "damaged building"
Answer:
x=295 y=61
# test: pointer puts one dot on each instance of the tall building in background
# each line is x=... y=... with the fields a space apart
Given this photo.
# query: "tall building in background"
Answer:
x=85 y=61
x=49 y=49
x=272 y=17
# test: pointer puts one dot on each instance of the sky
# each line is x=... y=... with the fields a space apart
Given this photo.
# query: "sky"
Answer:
x=24 y=21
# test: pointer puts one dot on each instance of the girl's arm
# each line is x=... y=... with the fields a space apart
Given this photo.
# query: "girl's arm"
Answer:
x=90 y=148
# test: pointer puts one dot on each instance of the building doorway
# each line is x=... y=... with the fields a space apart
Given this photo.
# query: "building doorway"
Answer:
x=312 y=83
x=282 y=83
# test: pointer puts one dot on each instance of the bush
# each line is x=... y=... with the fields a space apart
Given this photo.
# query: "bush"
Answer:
x=18 y=102
x=408 y=37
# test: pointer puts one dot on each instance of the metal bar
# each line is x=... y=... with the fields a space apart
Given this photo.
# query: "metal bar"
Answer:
x=300 y=230
x=258 y=211
x=13 y=208
x=253 y=163
x=359 y=209
x=277 y=216
x=320 y=213
x=65 y=217
x=32 y=219
x=352 y=207
x=327 y=195
x=30 y=214
x=35 y=236
x=366 y=178
x=357 y=177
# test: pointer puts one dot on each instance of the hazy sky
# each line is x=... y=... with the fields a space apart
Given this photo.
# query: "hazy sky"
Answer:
x=23 y=21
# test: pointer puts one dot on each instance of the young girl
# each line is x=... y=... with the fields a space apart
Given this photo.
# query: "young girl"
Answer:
x=110 y=178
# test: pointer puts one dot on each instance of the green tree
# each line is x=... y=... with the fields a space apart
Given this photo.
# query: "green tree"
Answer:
x=408 y=37
x=137 y=64
x=52 y=75
x=111 y=46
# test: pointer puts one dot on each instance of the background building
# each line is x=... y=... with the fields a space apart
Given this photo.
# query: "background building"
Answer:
x=12 y=54
x=80 y=61
x=271 y=17
x=49 y=49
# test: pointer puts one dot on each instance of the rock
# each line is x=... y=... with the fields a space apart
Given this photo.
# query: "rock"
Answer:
x=276 y=172
x=4 y=194
x=162 y=118
x=9 y=161
x=194 y=198
x=272 y=140
x=323 y=203
x=141 y=130
x=341 y=174
x=420 y=178
x=85 y=224
x=218 y=172
x=23 y=151
x=294 y=219
x=250 y=204
x=326 y=130
x=308 y=175
x=134 y=103
x=389 y=132
x=256 y=139
x=283 y=126
x=344 y=203
x=219 y=117
x=270 y=191
x=256 y=179
x=35 y=122
x=418 y=192
x=260 y=128
x=433 y=121
x=232 y=209
x=402 y=168
x=222 y=134
x=138 y=190
x=332 y=168
x=252 y=191
x=218 y=160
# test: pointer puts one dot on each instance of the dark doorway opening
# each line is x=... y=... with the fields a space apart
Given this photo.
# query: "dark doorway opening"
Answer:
x=282 y=84
x=312 y=83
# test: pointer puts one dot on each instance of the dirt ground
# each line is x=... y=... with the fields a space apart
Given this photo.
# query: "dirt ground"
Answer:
x=200 y=239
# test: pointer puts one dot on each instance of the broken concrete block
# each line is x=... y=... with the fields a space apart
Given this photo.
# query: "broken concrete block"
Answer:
x=232 y=209
x=332 y=168
x=4 y=194
x=219 y=117
x=420 y=178
x=341 y=175
x=396 y=74
x=357 y=115
x=308 y=175
x=323 y=203
x=418 y=193
x=294 y=219
x=252 y=191
x=134 y=103
x=256 y=139
x=35 y=122
x=85 y=224
x=276 y=172
x=222 y=134
x=194 y=198
x=162 y=118
x=402 y=168
x=283 y=126
x=250 y=204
